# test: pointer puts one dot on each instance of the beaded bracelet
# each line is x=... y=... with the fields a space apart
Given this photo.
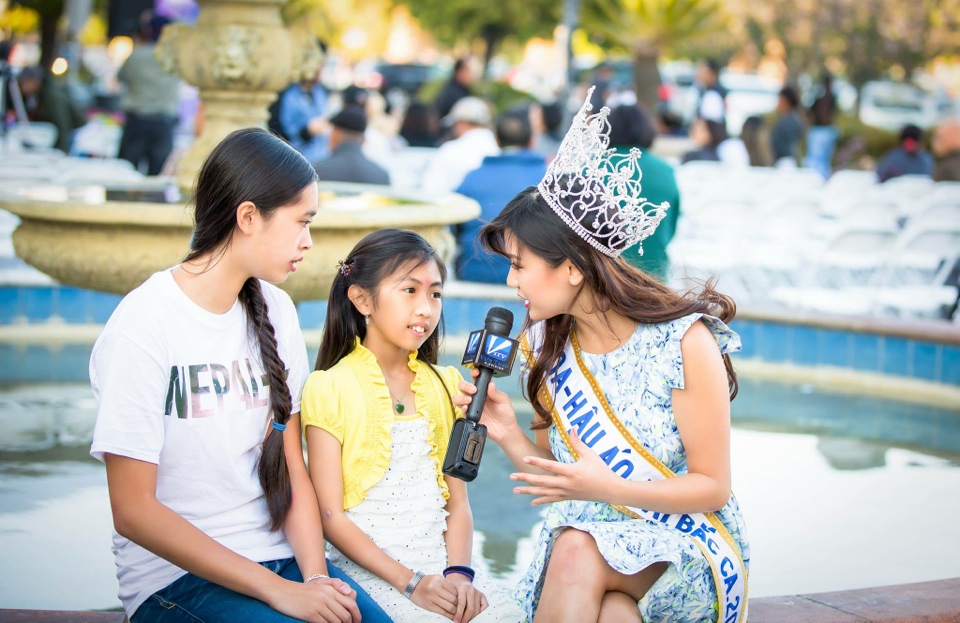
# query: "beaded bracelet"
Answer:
x=462 y=570
x=315 y=576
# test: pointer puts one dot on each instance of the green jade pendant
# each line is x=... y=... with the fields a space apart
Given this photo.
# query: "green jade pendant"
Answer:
x=399 y=407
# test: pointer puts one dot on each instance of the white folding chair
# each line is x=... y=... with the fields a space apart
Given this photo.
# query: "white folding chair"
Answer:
x=929 y=301
x=851 y=301
x=936 y=212
x=921 y=251
x=946 y=191
x=854 y=256
x=884 y=213
x=908 y=184
x=850 y=180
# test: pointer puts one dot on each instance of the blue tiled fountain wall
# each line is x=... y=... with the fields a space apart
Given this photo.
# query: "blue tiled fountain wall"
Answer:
x=763 y=340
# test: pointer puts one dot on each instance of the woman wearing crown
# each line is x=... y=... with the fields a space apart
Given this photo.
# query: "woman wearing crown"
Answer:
x=631 y=385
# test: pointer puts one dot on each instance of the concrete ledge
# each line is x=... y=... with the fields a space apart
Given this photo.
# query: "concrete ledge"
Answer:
x=854 y=382
x=59 y=616
x=925 y=602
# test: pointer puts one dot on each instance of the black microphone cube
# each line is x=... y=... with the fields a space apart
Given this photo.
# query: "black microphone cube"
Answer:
x=465 y=450
x=489 y=350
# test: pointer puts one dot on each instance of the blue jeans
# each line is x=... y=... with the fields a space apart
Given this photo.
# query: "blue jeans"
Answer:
x=821 y=142
x=191 y=599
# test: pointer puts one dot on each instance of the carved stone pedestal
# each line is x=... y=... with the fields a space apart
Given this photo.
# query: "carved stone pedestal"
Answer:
x=239 y=54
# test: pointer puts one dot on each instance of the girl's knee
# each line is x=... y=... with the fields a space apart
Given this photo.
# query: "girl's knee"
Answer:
x=575 y=555
x=575 y=541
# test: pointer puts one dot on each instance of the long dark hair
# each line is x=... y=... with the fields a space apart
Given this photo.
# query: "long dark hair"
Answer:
x=253 y=165
x=617 y=285
x=377 y=256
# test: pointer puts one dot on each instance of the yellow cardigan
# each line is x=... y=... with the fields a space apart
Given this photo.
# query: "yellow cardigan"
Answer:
x=351 y=402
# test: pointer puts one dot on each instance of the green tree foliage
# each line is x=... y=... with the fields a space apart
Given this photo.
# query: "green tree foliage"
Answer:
x=49 y=12
x=457 y=21
x=869 y=39
x=647 y=29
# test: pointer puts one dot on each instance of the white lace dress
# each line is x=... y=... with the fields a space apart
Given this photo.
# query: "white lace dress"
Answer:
x=404 y=515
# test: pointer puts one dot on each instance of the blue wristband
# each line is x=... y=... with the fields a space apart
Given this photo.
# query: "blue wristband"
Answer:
x=280 y=427
x=461 y=569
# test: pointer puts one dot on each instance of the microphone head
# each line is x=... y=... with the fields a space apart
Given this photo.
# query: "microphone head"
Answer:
x=499 y=320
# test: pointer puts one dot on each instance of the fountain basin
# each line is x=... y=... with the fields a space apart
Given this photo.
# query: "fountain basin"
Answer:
x=85 y=236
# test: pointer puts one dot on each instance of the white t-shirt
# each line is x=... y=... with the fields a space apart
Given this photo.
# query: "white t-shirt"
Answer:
x=183 y=388
x=712 y=106
x=454 y=159
x=734 y=153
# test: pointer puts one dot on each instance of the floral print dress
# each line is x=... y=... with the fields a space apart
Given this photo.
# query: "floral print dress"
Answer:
x=638 y=379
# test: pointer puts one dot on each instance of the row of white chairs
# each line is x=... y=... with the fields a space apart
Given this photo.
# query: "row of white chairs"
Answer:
x=848 y=245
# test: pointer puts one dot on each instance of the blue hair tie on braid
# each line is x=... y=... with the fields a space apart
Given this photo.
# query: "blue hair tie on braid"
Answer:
x=280 y=427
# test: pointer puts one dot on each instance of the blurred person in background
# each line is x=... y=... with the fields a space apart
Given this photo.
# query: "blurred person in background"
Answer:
x=38 y=95
x=852 y=155
x=711 y=101
x=22 y=95
x=421 y=125
x=301 y=113
x=498 y=179
x=545 y=120
x=822 y=134
x=466 y=71
x=707 y=135
x=907 y=158
x=787 y=130
x=346 y=162
x=946 y=148
x=733 y=152
x=151 y=100
x=469 y=123
x=603 y=84
x=756 y=140
x=354 y=96
x=632 y=126
x=381 y=141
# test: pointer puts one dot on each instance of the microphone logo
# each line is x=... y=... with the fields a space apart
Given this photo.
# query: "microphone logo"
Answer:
x=473 y=343
x=498 y=347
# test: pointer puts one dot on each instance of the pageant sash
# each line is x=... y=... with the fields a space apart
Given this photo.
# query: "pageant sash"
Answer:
x=578 y=403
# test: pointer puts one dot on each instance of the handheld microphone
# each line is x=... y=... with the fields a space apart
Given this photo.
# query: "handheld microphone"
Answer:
x=492 y=351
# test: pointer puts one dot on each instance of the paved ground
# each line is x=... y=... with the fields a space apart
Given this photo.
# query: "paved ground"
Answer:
x=925 y=602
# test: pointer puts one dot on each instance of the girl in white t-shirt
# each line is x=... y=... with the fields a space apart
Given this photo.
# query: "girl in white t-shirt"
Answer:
x=198 y=375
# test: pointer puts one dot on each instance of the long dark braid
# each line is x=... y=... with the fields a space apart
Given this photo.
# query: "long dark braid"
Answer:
x=253 y=165
x=274 y=477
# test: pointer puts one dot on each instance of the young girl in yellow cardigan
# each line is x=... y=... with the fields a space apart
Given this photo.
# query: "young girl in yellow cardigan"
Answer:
x=377 y=416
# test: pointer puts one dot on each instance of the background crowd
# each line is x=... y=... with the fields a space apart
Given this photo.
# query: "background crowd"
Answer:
x=469 y=125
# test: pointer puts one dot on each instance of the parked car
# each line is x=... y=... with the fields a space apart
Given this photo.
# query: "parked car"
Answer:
x=678 y=89
x=892 y=105
x=677 y=92
x=405 y=77
x=748 y=95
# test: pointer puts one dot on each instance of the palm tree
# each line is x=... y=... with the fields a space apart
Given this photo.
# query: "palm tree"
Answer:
x=649 y=28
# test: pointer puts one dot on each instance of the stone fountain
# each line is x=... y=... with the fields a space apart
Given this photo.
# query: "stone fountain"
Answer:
x=239 y=54
x=83 y=237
